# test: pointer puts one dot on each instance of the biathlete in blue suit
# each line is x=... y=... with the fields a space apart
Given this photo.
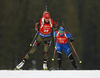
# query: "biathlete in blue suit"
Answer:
x=63 y=43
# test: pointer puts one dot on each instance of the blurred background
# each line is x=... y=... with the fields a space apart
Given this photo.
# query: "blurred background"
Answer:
x=17 y=23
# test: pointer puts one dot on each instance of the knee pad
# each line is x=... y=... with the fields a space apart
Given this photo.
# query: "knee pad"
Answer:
x=48 y=43
x=59 y=55
x=73 y=61
x=71 y=57
x=36 y=43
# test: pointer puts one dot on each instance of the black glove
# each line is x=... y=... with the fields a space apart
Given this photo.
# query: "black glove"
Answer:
x=36 y=29
x=71 y=40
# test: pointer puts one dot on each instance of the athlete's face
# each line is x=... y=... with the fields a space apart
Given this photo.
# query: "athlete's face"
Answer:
x=47 y=20
x=61 y=33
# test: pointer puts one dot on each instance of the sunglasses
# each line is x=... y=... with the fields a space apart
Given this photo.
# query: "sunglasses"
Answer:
x=61 y=31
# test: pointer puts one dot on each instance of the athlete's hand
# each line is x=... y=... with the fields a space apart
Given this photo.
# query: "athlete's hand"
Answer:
x=71 y=40
x=36 y=29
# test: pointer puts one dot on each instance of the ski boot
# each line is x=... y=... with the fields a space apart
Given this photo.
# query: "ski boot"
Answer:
x=20 y=65
x=76 y=69
x=45 y=66
x=59 y=68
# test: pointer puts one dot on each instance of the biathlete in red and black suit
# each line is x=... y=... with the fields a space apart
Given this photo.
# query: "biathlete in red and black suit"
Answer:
x=44 y=26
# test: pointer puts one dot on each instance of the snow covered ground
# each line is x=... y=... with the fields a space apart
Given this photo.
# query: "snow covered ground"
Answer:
x=50 y=74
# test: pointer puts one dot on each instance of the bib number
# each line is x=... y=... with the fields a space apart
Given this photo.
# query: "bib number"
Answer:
x=46 y=30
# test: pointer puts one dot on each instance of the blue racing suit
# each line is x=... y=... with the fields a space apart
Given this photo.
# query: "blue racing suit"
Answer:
x=64 y=44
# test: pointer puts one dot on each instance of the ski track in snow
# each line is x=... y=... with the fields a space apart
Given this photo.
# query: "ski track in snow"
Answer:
x=49 y=74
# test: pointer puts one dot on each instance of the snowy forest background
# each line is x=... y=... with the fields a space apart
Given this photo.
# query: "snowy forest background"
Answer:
x=17 y=22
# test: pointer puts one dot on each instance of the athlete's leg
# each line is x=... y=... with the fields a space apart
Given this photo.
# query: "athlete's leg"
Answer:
x=47 y=44
x=59 y=59
x=69 y=54
x=59 y=53
x=73 y=61
x=46 y=48
x=34 y=48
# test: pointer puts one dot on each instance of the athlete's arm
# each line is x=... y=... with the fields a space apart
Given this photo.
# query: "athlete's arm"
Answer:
x=70 y=36
x=55 y=24
x=37 y=26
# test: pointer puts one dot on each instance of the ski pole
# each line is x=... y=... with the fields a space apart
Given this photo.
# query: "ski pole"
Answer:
x=54 y=51
x=34 y=38
x=75 y=53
